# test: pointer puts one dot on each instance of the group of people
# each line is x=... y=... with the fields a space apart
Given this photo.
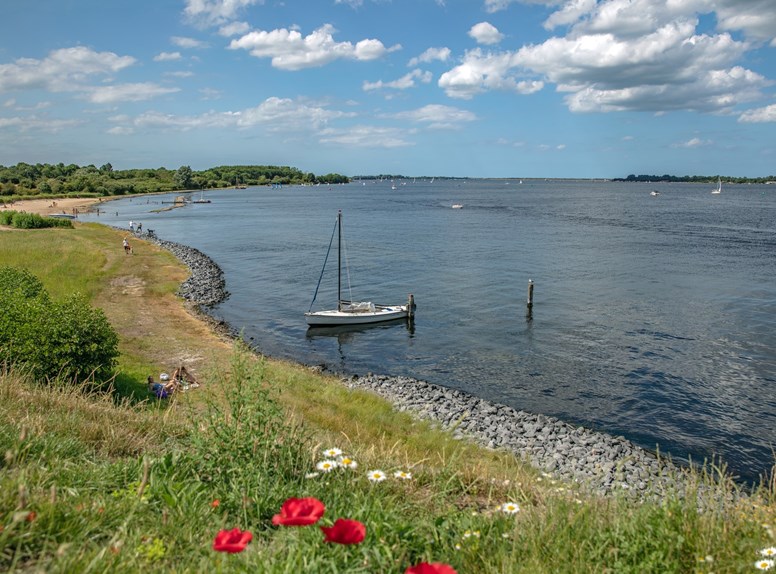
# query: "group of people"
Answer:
x=181 y=379
x=135 y=226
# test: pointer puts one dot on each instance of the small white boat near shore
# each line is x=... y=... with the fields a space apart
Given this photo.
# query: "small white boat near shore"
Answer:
x=457 y=206
x=350 y=312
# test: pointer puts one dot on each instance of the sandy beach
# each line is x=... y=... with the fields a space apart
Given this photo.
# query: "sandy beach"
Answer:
x=49 y=206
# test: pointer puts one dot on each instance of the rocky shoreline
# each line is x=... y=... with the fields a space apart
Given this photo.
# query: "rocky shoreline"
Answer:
x=597 y=461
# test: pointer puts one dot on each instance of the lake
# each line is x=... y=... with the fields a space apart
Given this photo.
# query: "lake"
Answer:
x=654 y=317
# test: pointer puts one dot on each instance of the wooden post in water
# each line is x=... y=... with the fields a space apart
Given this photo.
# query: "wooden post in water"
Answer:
x=411 y=307
x=529 y=303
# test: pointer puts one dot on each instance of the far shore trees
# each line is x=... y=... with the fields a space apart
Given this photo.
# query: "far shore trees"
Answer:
x=51 y=180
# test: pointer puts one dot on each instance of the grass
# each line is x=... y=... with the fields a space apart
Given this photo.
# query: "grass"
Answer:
x=122 y=483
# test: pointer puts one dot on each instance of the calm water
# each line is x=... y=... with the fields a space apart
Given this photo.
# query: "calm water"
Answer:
x=653 y=317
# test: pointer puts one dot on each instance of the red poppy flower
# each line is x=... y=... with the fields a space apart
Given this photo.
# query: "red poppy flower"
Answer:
x=430 y=568
x=345 y=531
x=31 y=516
x=216 y=503
x=299 y=512
x=232 y=541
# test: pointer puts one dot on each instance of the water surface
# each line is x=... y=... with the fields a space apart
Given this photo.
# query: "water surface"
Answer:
x=653 y=317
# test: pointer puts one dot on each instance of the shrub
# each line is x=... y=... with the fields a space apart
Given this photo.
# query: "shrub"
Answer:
x=67 y=339
x=23 y=220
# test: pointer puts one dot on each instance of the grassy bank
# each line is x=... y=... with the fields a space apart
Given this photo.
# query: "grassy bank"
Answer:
x=123 y=483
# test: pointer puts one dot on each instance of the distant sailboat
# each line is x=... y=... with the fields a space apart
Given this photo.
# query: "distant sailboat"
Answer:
x=719 y=187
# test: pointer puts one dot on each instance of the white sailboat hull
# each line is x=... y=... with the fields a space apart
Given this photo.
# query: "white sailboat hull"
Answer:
x=356 y=317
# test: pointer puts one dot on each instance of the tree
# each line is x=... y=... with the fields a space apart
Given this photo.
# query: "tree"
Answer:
x=183 y=177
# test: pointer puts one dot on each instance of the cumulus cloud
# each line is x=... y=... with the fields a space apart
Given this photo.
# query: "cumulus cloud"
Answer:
x=486 y=33
x=274 y=114
x=35 y=123
x=438 y=116
x=759 y=115
x=187 y=43
x=62 y=70
x=642 y=55
x=135 y=92
x=693 y=143
x=756 y=18
x=431 y=55
x=234 y=29
x=216 y=12
x=366 y=137
x=289 y=50
x=167 y=57
x=480 y=72
x=405 y=82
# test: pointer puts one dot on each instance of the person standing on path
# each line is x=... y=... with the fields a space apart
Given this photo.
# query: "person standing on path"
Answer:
x=127 y=247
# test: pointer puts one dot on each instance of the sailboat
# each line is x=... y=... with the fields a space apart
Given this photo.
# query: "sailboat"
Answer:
x=201 y=198
x=349 y=312
x=719 y=186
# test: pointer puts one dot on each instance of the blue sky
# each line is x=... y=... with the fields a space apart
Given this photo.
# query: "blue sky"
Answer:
x=479 y=88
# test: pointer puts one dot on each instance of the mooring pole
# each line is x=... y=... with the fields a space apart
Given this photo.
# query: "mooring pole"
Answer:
x=530 y=293
x=411 y=307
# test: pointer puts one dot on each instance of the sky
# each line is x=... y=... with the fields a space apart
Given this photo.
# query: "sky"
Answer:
x=465 y=88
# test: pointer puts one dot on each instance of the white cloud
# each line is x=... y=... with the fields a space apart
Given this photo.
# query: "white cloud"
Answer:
x=669 y=68
x=759 y=115
x=431 y=55
x=405 y=82
x=480 y=72
x=274 y=114
x=693 y=143
x=167 y=57
x=438 y=116
x=120 y=131
x=35 y=123
x=756 y=18
x=366 y=137
x=570 y=13
x=62 y=70
x=486 y=33
x=289 y=50
x=216 y=12
x=135 y=92
x=234 y=29
x=351 y=3
x=187 y=43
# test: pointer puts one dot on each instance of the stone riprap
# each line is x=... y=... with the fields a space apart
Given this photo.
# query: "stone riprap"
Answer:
x=595 y=460
x=206 y=285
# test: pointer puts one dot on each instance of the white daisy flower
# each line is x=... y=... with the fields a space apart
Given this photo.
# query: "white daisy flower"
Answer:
x=764 y=564
x=510 y=508
x=403 y=475
x=769 y=552
x=376 y=475
x=326 y=465
x=347 y=462
x=332 y=453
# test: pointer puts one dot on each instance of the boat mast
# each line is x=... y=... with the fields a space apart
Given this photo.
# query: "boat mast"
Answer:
x=339 y=260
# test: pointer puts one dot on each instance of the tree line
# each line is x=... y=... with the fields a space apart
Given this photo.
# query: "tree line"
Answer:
x=49 y=180
x=695 y=178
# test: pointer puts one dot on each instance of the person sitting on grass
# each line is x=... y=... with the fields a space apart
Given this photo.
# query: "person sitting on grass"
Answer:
x=161 y=390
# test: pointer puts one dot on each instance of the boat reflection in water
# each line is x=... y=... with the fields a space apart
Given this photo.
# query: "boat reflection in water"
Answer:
x=345 y=333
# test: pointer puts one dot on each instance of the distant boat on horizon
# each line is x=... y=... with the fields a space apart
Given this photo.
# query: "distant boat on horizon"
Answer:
x=719 y=187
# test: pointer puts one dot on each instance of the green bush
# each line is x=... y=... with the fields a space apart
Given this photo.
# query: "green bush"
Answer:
x=68 y=339
x=23 y=220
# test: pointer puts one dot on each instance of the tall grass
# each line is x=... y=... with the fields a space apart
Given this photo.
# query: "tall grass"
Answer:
x=90 y=485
